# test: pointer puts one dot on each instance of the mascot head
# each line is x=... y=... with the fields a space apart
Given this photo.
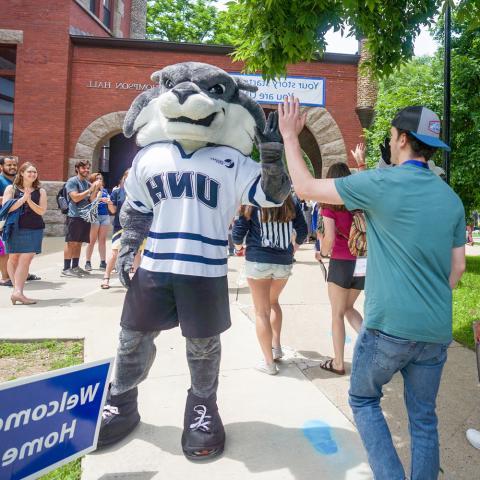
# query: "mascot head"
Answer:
x=196 y=104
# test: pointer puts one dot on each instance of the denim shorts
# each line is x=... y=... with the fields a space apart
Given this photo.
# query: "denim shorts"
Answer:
x=103 y=220
x=258 y=271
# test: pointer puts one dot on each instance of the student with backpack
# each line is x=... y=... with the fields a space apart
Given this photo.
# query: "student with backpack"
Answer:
x=346 y=275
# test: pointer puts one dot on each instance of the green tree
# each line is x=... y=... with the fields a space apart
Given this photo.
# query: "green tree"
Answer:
x=465 y=167
x=420 y=82
x=281 y=32
x=192 y=21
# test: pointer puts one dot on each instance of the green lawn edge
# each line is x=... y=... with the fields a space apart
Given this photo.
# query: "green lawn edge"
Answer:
x=466 y=303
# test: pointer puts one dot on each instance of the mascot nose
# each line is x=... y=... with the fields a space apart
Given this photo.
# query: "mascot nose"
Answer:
x=183 y=91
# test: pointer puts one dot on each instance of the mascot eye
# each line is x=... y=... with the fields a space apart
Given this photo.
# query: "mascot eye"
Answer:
x=168 y=83
x=219 y=89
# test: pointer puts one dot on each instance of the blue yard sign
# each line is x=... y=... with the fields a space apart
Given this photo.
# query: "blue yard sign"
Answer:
x=50 y=419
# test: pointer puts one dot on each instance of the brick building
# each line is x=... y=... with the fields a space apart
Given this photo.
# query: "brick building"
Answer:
x=69 y=71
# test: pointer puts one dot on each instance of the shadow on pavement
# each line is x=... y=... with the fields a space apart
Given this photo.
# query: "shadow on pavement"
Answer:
x=128 y=476
x=316 y=451
x=56 y=302
x=41 y=285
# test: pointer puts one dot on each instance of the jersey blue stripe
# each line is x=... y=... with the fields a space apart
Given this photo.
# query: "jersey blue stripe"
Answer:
x=185 y=258
x=188 y=236
x=253 y=191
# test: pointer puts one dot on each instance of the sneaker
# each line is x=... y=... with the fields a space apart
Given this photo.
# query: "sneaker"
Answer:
x=473 y=436
x=103 y=265
x=80 y=271
x=277 y=353
x=70 y=273
x=268 y=368
x=88 y=266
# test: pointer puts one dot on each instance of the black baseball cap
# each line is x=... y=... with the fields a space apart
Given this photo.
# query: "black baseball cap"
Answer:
x=422 y=123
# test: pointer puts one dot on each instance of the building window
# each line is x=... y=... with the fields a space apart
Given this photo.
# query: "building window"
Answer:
x=107 y=13
x=93 y=6
x=7 y=94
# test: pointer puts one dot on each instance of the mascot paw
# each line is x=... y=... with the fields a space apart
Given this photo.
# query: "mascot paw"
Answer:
x=125 y=259
x=203 y=434
x=271 y=132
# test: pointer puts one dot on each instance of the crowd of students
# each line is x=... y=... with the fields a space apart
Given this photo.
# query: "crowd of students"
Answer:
x=408 y=309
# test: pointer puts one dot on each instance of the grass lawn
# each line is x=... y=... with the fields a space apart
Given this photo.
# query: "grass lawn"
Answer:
x=466 y=303
x=20 y=359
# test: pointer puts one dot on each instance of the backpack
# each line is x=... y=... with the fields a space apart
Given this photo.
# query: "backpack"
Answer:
x=62 y=199
x=357 y=239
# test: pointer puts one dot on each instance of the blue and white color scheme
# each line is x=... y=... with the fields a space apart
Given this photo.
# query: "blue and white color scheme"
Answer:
x=193 y=197
x=50 y=419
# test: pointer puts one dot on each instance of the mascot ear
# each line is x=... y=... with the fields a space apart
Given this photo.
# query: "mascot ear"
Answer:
x=130 y=124
x=155 y=77
x=242 y=85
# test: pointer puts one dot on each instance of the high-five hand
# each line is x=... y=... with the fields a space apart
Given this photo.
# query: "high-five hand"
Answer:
x=290 y=119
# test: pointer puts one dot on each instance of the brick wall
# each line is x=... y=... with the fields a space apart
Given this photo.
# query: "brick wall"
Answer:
x=41 y=81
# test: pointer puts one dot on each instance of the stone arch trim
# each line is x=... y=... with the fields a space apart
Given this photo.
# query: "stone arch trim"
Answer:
x=328 y=136
x=94 y=137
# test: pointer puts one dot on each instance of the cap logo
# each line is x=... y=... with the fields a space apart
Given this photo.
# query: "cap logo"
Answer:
x=434 y=126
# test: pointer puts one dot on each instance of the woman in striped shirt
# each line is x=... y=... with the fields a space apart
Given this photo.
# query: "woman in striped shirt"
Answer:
x=269 y=259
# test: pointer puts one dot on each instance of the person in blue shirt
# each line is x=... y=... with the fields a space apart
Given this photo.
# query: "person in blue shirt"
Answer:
x=416 y=256
x=269 y=260
x=99 y=229
x=117 y=198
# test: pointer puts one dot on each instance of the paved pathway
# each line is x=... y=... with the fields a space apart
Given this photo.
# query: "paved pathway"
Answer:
x=296 y=425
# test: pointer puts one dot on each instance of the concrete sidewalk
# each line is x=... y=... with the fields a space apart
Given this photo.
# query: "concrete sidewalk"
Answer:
x=296 y=425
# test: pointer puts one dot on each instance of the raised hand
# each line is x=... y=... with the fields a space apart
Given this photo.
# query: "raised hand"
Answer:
x=359 y=154
x=385 y=149
x=291 y=121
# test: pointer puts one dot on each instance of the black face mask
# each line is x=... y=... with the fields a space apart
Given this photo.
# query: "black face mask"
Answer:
x=385 y=149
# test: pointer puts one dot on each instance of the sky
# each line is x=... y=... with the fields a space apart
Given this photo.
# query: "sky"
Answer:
x=424 y=45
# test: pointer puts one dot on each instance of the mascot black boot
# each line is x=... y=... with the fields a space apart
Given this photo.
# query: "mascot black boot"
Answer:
x=203 y=433
x=120 y=416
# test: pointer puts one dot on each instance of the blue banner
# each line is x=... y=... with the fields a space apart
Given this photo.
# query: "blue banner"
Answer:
x=50 y=419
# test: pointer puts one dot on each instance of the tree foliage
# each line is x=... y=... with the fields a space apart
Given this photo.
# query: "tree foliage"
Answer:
x=194 y=21
x=280 y=32
x=420 y=82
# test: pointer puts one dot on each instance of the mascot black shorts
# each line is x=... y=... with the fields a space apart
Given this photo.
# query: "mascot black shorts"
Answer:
x=160 y=301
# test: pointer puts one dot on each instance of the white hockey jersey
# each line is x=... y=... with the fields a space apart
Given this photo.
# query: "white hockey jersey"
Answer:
x=193 y=198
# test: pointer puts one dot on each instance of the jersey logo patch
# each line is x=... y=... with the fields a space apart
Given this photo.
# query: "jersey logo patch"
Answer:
x=227 y=162
x=176 y=185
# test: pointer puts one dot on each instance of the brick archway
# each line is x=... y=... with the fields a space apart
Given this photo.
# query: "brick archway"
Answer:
x=328 y=136
x=94 y=137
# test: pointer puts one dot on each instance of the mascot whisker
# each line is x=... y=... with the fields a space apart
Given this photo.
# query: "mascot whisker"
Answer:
x=197 y=129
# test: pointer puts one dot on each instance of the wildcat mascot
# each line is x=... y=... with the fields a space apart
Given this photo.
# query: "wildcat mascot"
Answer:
x=197 y=129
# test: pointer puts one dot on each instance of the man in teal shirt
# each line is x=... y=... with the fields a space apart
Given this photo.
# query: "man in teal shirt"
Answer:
x=416 y=255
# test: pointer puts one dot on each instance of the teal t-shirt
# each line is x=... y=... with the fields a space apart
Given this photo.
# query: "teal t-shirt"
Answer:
x=414 y=219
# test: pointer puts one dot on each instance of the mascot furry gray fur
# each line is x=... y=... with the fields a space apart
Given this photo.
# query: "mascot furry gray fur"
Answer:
x=197 y=130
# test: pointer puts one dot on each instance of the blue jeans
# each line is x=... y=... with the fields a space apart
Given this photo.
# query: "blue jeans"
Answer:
x=377 y=357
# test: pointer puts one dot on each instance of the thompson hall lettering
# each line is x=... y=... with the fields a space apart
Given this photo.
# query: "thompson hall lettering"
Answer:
x=106 y=85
